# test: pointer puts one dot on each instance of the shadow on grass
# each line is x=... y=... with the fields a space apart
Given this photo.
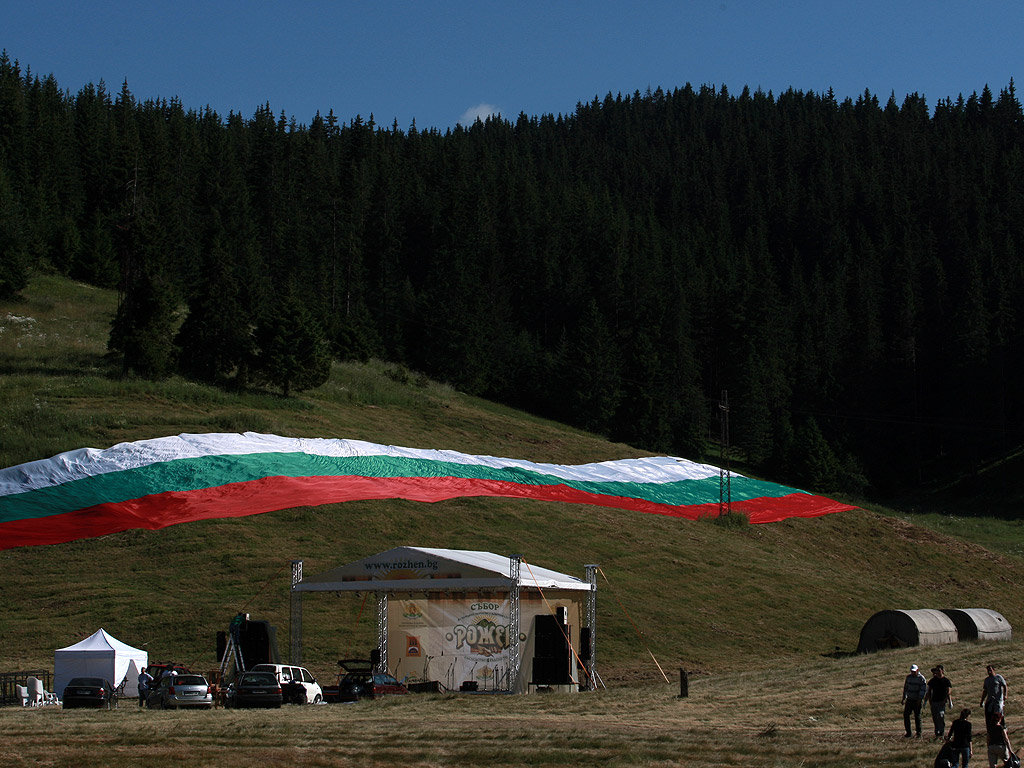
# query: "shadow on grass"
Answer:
x=838 y=654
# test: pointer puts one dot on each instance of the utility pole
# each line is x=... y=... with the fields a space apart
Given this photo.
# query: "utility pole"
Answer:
x=724 y=475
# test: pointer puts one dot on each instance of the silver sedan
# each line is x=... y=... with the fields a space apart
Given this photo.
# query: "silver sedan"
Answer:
x=184 y=690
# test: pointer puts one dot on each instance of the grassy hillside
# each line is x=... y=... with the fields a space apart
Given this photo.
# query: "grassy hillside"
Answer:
x=706 y=597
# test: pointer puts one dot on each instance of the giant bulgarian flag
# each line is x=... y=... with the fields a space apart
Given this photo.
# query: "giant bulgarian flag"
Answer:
x=169 y=480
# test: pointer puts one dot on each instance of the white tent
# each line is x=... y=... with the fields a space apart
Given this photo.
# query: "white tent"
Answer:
x=99 y=655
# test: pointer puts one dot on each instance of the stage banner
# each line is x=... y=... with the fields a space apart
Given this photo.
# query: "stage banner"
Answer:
x=450 y=640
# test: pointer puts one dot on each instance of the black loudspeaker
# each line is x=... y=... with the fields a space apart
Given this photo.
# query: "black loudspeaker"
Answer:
x=550 y=639
x=562 y=615
x=254 y=643
x=585 y=644
x=545 y=671
x=551 y=651
x=375 y=658
x=222 y=644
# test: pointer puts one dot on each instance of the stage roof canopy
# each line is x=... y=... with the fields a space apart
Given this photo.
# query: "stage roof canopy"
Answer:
x=418 y=569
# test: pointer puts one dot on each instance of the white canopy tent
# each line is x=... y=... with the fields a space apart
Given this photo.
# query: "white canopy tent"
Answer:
x=99 y=655
x=458 y=616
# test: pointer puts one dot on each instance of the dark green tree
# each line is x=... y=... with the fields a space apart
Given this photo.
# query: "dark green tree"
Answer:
x=292 y=353
x=215 y=341
x=13 y=258
x=143 y=328
x=142 y=332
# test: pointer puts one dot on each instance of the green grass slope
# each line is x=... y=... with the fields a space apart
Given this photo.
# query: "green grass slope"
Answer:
x=698 y=595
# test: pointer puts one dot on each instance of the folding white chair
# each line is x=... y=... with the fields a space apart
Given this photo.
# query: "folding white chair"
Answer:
x=36 y=693
x=21 y=691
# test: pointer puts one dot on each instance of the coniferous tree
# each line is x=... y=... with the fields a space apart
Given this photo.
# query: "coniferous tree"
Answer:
x=13 y=258
x=215 y=340
x=292 y=353
x=142 y=332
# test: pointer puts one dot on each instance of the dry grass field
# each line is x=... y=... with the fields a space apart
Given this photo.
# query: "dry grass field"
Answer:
x=824 y=711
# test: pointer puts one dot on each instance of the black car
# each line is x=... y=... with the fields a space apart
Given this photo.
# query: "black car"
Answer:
x=361 y=681
x=254 y=689
x=89 y=692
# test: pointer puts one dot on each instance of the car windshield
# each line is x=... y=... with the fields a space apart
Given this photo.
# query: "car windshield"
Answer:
x=257 y=678
x=87 y=682
x=189 y=680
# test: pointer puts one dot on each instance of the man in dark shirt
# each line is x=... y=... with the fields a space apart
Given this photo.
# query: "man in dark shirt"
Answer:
x=960 y=738
x=939 y=697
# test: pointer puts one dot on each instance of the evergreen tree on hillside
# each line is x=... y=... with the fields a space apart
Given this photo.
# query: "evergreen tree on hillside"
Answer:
x=95 y=260
x=13 y=258
x=216 y=338
x=142 y=333
x=292 y=353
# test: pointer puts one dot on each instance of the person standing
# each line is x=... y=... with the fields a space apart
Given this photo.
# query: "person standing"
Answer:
x=959 y=738
x=939 y=697
x=914 y=689
x=993 y=695
x=145 y=683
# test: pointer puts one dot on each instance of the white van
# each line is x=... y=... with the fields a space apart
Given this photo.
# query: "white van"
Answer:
x=286 y=673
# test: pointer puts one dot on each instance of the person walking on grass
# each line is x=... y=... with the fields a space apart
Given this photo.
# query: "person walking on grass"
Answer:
x=959 y=738
x=914 y=689
x=939 y=697
x=993 y=695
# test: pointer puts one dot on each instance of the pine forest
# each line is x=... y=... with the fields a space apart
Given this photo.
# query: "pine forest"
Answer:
x=849 y=272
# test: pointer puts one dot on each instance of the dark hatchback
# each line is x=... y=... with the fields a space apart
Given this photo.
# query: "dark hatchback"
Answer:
x=254 y=689
x=89 y=692
x=362 y=682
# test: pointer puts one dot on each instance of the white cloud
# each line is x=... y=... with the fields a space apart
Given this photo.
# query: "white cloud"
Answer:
x=482 y=111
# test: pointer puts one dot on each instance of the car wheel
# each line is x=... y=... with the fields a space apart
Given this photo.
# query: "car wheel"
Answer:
x=317 y=699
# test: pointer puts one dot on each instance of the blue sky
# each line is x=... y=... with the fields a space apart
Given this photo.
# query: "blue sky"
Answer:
x=441 y=63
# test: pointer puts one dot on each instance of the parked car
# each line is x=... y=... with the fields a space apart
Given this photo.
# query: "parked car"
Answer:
x=89 y=692
x=362 y=682
x=306 y=688
x=181 y=690
x=254 y=689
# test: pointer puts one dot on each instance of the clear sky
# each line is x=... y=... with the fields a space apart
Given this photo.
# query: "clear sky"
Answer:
x=442 y=63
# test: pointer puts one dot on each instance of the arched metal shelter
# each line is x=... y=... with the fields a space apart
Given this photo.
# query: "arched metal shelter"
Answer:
x=979 y=624
x=905 y=628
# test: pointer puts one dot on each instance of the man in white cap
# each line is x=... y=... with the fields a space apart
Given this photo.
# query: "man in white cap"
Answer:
x=914 y=689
